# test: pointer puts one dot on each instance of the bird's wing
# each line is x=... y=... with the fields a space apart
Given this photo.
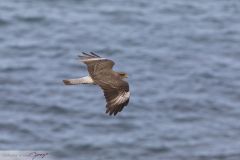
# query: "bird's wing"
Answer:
x=116 y=91
x=96 y=63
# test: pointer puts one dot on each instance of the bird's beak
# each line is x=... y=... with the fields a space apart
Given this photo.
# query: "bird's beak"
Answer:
x=126 y=76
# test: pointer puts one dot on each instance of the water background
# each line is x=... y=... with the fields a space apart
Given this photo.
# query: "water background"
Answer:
x=183 y=61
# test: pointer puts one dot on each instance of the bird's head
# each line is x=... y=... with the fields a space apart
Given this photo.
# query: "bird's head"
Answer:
x=122 y=75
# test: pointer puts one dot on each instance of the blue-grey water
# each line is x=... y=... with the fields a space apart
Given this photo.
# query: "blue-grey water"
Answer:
x=183 y=61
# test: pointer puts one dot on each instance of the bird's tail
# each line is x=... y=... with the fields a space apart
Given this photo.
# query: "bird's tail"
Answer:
x=82 y=80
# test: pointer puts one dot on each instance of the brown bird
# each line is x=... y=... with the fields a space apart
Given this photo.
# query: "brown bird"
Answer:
x=116 y=90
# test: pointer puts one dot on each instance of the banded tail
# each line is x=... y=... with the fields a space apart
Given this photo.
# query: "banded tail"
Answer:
x=82 y=80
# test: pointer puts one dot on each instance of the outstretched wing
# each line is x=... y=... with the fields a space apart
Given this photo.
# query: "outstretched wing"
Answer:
x=96 y=63
x=116 y=91
x=117 y=99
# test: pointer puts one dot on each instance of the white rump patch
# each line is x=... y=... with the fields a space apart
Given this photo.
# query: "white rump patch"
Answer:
x=82 y=80
x=86 y=79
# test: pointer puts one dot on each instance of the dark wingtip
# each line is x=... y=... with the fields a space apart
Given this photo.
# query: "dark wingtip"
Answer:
x=112 y=111
x=80 y=56
x=109 y=111
x=95 y=55
x=86 y=54
x=89 y=55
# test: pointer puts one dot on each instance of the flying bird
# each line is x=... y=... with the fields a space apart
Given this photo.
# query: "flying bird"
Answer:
x=116 y=90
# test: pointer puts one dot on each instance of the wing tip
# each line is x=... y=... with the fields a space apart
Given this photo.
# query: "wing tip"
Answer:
x=114 y=110
x=89 y=55
x=95 y=55
x=110 y=111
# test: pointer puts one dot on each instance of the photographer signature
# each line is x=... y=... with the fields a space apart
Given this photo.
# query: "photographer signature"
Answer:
x=35 y=155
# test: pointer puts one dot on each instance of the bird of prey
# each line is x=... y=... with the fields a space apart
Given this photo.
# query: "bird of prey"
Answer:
x=116 y=90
